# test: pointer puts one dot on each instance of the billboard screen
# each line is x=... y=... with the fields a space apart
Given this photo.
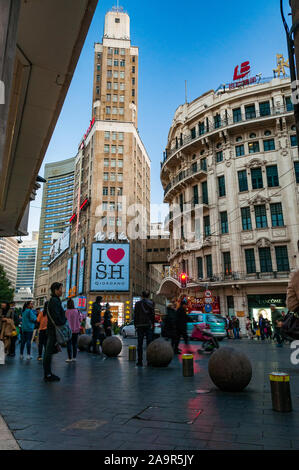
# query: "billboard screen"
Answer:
x=60 y=246
x=110 y=267
x=81 y=271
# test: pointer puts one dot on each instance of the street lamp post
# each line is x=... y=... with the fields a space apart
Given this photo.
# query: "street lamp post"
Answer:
x=291 y=53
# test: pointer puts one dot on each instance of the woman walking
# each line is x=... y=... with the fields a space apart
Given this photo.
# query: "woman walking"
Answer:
x=42 y=320
x=28 y=324
x=73 y=317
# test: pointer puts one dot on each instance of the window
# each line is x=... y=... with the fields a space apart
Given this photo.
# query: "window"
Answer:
x=122 y=63
x=120 y=164
x=240 y=150
x=201 y=128
x=289 y=104
x=98 y=78
x=114 y=110
x=209 y=265
x=269 y=145
x=205 y=195
x=243 y=183
x=252 y=135
x=250 y=111
x=133 y=81
x=265 y=260
x=237 y=115
x=133 y=92
x=121 y=86
x=193 y=133
x=115 y=98
x=106 y=148
x=277 y=215
x=111 y=221
x=115 y=63
x=265 y=108
x=122 y=98
x=105 y=191
x=112 y=191
x=133 y=69
x=115 y=74
x=97 y=90
x=120 y=177
x=294 y=142
x=272 y=176
x=121 y=74
x=207 y=227
x=109 y=85
x=260 y=216
x=217 y=121
x=239 y=139
x=267 y=133
x=107 y=135
x=195 y=194
x=110 y=50
x=203 y=164
x=246 y=218
x=221 y=186
x=282 y=259
x=105 y=206
x=123 y=52
x=108 y=110
x=113 y=177
x=199 y=268
x=120 y=136
x=224 y=222
x=121 y=111
x=113 y=148
x=106 y=162
x=227 y=263
x=109 y=62
x=117 y=20
x=256 y=178
x=254 y=147
x=108 y=97
x=114 y=135
x=106 y=175
x=219 y=157
x=120 y=149
x=296 y=166
x=116 y=51
x=113 y=163
x=250 y=261
x=109 y=73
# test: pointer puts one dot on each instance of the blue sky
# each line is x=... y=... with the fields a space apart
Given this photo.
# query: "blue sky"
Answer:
x=197 y=41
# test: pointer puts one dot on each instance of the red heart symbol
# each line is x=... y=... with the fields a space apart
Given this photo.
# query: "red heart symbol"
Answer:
x=115 y=255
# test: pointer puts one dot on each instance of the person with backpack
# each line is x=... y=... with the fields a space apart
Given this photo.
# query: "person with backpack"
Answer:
x=144 y=320
x=73 y=317
x=42 y=321
x=56 y=317
x=28 y=325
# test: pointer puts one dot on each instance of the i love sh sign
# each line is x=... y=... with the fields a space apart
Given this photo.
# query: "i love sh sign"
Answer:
x=110 y=267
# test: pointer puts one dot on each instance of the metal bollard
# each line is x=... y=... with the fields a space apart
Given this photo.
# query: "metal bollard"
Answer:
x=281 y=393
x=132 y=353
x=188 y=369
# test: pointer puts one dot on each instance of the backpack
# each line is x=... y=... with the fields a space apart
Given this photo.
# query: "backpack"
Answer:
x=290 y=326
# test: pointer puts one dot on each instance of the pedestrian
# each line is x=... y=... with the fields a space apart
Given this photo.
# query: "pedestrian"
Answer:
x=236 y=328
x=28 y=325
x=144 y=320
x=262 y=326
x=293 y=292
x=73 y=317
x=42 y=321
x=96 y=323
x=268 y=329
x=56 y=317
x=170 y=322
x=250 y=333
x=88 y=325
x=107 y=321
x=181 y=326
x=227 y=321
x=276 y=321
x=12 y=314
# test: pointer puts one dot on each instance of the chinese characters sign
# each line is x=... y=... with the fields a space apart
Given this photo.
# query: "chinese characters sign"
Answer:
x=110 y=267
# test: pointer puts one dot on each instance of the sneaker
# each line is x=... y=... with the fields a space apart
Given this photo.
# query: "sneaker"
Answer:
x=51 y=378
x=40 y=358
x=74 y=359
x=68 y=360
x=28 y=358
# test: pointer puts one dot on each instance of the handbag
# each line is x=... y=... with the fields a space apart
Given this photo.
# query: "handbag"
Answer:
x=290 y=326
x=63 y=333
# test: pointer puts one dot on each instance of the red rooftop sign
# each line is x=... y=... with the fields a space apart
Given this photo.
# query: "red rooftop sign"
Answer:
x=240 y=75
x=87 y=133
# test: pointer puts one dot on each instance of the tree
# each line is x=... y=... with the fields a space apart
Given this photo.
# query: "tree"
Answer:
x=6 y=291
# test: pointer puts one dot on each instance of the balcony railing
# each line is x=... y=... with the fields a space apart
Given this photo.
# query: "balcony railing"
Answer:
x=183 y=175
x=241 y=276
x=211 y=126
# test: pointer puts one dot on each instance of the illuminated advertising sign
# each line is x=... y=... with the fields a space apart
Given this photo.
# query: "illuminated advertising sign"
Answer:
x=60 y=246
x=82 y=145
x=110 y=267
x=68 y=277
x=81 y=271
x=74 y=271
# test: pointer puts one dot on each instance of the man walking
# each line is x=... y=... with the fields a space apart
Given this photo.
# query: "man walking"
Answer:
x=144 y=319
x=56 y=317
x=276 y=322
x=96 y=323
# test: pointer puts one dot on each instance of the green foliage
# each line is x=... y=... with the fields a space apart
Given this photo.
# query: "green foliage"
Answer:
x=6 y=291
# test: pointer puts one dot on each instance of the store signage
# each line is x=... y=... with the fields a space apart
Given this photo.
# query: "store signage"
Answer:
x=239 y=76
x=81 y=271
x=68 y=276
x=204 y=304
x=110 y=267
x=74 y=271
x=60 y=246
x=244 y=70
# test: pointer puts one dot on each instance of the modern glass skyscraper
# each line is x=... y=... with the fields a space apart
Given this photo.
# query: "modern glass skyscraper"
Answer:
x=27 y=263
x=57 y=206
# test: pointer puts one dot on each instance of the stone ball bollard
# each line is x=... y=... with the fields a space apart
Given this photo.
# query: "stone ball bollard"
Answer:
x=230 y=370
x=159 y=353
x=84 y=342
x=112 y=346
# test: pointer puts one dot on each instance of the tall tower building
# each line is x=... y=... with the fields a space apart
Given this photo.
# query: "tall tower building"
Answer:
x=57 y=206
x=9 y=249
x=112 y=171
x=27 y=263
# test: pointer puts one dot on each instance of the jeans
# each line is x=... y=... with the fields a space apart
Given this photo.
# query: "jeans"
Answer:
x=277 y=335
x=236 y=333
x=42 y=341
x=142 y=332
x=12 y=348
x=26 y=339
x=72 y=346
x=97 y=334
x=49 y=351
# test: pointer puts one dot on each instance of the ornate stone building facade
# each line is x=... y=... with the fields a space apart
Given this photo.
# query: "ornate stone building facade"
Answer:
x=231 y=176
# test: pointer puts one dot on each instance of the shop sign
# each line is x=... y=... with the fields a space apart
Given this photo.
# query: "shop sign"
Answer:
x=201 y=304
x=110 y=267
x=240 y=314
x=74 y=271
x=81 y=271
x=68 y=276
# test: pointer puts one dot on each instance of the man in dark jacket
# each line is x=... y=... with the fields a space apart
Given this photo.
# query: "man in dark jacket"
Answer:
x=56 y=317
x=144 y=320
x=181 y=326
x=96 y=323
x=170 y=323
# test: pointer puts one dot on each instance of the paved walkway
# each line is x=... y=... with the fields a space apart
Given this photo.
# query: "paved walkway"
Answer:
x=110 y=404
